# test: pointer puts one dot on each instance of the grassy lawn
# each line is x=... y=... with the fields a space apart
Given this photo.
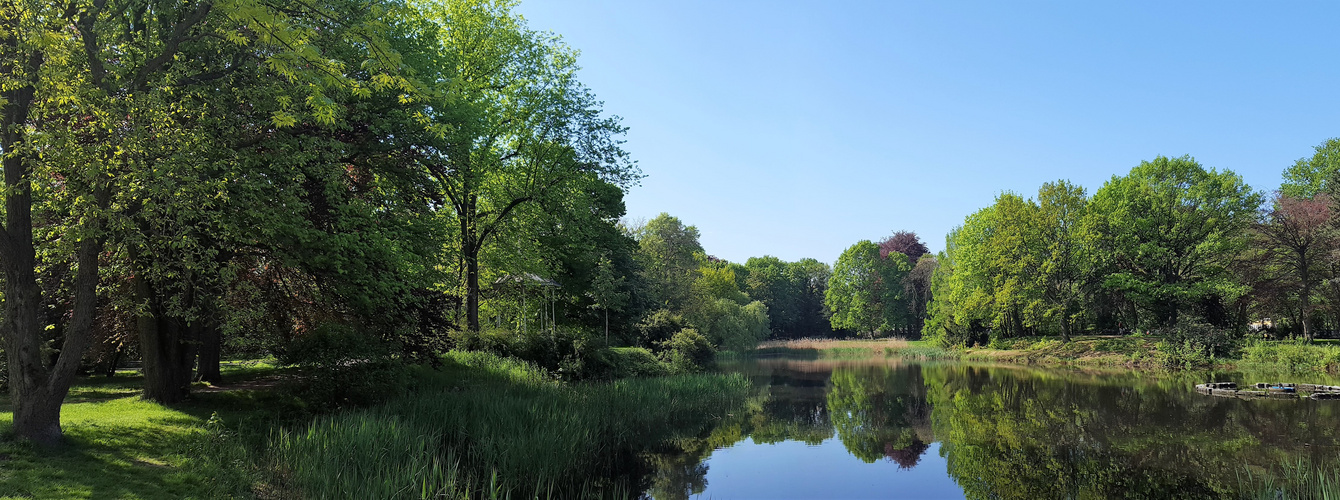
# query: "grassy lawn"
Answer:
x=478 y=426
x=119 y=446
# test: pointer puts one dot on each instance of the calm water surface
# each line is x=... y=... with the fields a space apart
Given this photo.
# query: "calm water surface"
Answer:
x=899 y=429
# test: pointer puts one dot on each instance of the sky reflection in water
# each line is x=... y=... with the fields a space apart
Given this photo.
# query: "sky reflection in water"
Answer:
x=896 y=429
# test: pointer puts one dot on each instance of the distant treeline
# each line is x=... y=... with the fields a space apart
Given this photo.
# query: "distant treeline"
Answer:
x=1170 y=246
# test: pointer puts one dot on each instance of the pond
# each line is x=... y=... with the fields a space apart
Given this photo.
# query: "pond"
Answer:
x=899 y=429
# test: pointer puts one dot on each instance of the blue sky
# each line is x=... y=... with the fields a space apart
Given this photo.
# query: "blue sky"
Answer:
x=795 y=129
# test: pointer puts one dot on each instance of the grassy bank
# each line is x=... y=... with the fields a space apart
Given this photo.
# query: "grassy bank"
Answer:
x=1094 y=351
x=119 y=446
x=847 y=349
x=479 y=427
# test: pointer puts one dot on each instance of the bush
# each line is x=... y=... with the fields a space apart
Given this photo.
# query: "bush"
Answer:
x=1213 y=342
x=1185 y=355
x=623 y=362
x=688 y=351
x=658 y=327
x=346 y=367
x=562 y=351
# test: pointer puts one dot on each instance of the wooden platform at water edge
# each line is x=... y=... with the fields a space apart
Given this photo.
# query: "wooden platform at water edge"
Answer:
x=1270 y=390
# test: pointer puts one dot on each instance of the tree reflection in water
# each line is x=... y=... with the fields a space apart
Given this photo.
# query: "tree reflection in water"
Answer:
x=1013 y=432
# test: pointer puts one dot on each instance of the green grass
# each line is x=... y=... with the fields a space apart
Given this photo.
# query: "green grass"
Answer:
x=491 y=427
x=481 y=426
x=1295 y=357
x=119 y=446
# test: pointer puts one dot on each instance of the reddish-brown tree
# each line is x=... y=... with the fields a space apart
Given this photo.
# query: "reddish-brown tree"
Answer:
x=904 y=242
x=1298 y=233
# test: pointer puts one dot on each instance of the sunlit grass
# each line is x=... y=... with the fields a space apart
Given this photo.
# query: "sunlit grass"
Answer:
x=119 y=446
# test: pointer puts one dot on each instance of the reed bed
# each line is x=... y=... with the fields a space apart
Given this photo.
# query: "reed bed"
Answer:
x=489 y=427
x=1299 y=480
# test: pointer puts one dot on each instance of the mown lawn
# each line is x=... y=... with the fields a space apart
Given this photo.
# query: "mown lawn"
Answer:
x=119 y=446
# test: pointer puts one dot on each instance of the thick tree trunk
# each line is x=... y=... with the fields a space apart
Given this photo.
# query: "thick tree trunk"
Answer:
x=37 y=389
x=36 y=411
x=166 y=347
x=207 y=365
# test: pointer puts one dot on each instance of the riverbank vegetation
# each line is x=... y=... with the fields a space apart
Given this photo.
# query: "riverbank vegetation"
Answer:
x=479 y=426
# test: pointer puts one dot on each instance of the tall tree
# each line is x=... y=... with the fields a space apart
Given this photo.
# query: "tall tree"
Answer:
x=670 y=251
x=865 y=290
x=1300 y=235
x=1063 y=272
x=516 y=127
x=1168 y=231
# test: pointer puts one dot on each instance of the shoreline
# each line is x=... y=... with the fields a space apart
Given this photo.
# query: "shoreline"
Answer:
x=1140 y=353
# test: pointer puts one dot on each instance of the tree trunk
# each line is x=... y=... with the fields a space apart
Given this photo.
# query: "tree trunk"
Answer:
x=1306 y=297
x=36 y=389
x=166 y=347
x=211 y=347
x=472 y=289
x=470 y=254
x=116 y=360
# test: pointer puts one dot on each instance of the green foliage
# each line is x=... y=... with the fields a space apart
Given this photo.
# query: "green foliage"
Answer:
x=865 y=291
x=729 y=325
x=503 y=430
x=623 y=362
x=1167 y=232
x=561 y=351
x=669 y=252
x=1290 y=480
x=1212 y=341
x=688 y=351
x=1309 y=177
x=1296 y=357
x=345 y=367
x=659 y=326
x=1185 y=355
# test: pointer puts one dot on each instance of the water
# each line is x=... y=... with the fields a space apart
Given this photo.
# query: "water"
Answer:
x=898 y=429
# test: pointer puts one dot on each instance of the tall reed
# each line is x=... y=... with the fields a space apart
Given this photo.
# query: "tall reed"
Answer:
x=494 y=428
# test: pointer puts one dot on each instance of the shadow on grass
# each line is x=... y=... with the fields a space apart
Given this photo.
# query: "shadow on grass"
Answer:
x=119 y=446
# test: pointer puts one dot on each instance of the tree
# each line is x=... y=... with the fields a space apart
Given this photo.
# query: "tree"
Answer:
x=516 y=127
x=771 y=281
x=1318 y=174
x=1168 y=231
x=669 y=250
x=1064 y=270
x=865 y=289
x=811 y=276
x=1300 y=236
x=903 y=242
x=917 y=289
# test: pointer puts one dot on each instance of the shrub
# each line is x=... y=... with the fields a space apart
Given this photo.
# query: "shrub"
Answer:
x=346 y=367
x=1184 y=355
x=688 y=351
x=1296 y=356
x=1213 y=342
x=659 y=326
x=623 y=362
x=561 y=351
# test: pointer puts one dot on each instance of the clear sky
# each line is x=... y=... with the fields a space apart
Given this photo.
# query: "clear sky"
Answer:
x=795 y=129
